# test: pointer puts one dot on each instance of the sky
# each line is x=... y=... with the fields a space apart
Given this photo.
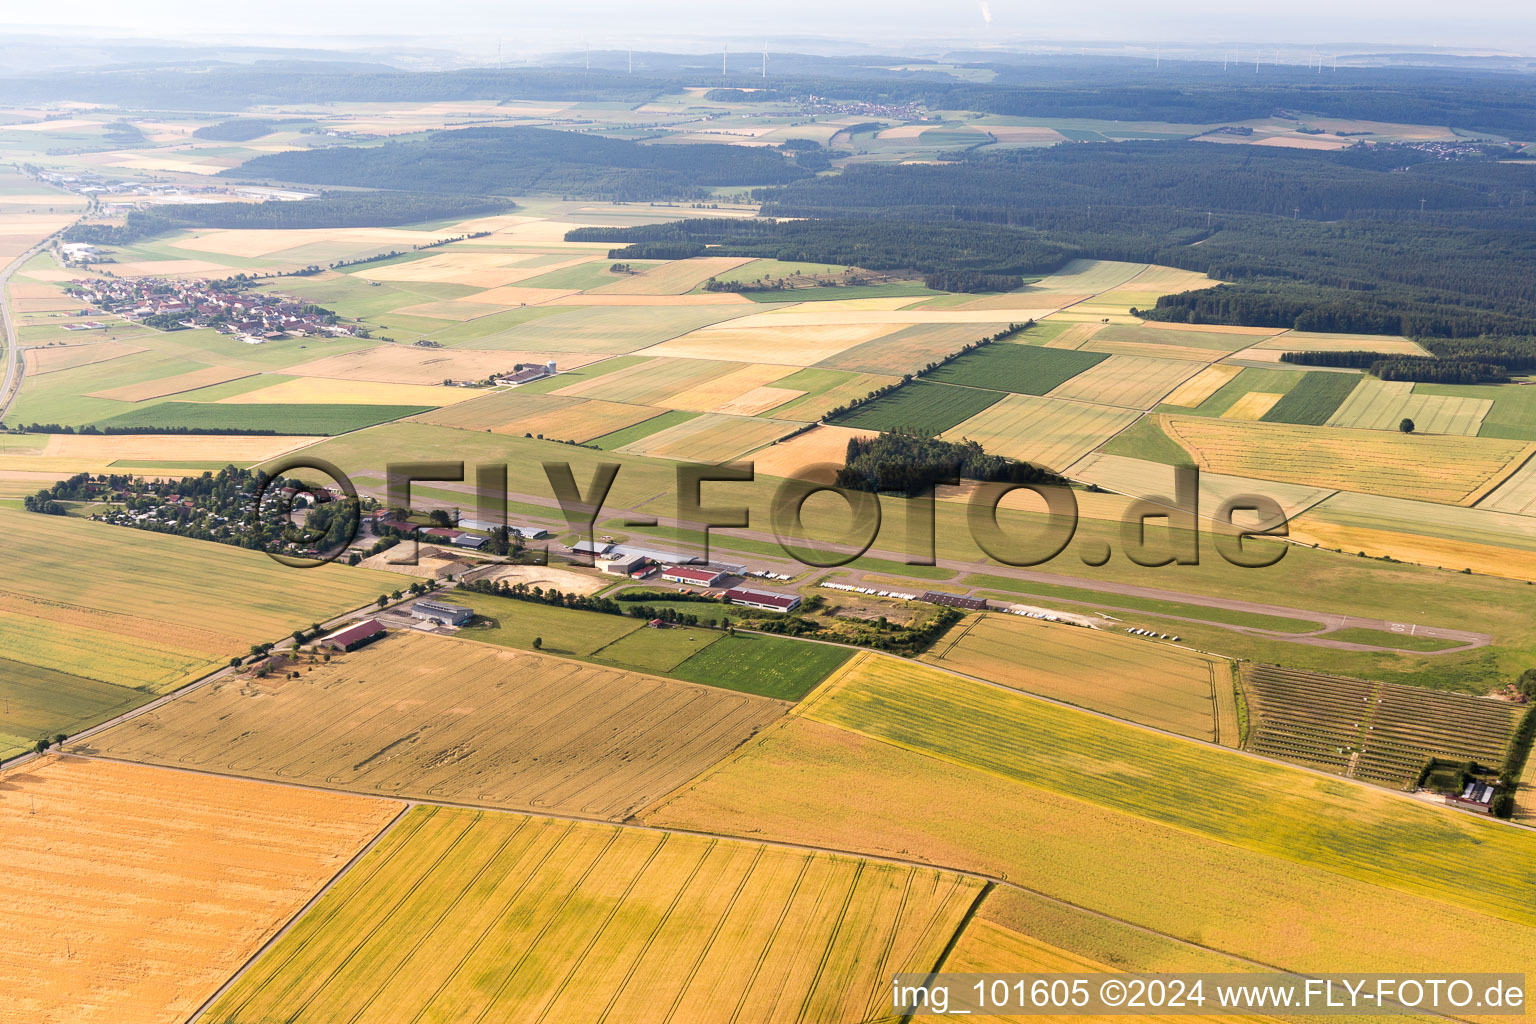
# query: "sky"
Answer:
x=525 y=28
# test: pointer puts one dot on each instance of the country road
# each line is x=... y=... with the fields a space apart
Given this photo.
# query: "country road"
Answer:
x=13 y=367
x=1327 y=622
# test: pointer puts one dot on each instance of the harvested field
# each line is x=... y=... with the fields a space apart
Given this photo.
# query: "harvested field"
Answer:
x=548 y=577
x=171 y=385
x=1304 y=341
x=172 y=448
x=610 y=330
x=407 y=364
x=1454 y=470
x=63 y=357
x=132 y=893
x=1021 y=369
x=786 y=346
x=442 y=719
x=1314 y=399
x=329 y=391
x=155 y=609
x=910 y=349
x=675 y=278
x=758 y=401
x=1382 y=405
x=650 y=382
x=1516 y=494
x=553 y=416
x=1379 y=732
x=1043 y=431
x=1252 y=406
x=1154 y=684
x=1447 y=536
x=821 y=444
x=477 y=269
x=1202 y=386
x=1174 y=341
x=923 y=407
x=726 y=388
x=1093 y=832
x=826 y=393
x=1155 y=481
x=1130 y=382
x=571 y=921
x=709 y=438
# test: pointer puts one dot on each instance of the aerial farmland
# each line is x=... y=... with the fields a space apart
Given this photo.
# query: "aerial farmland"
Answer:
x=626 y=535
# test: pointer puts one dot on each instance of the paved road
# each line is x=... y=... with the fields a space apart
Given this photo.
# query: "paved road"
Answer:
x=13 y=367
x=1464 y=640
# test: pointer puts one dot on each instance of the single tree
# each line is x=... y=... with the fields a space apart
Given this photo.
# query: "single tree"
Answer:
x=538 y=643
x=1406 y=426
x=383 y=600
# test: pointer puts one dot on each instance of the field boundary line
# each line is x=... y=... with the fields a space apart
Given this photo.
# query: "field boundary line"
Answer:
x=954 y=940
x=250 y=961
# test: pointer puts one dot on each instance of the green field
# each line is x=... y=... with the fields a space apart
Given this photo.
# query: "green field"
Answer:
x=1145 y=439
x=922 y=407
x=41 y=702
x=1252 y=378
x=1401 y=641
x=922 y=710
x=768 y=666
x=846 y=291
x=1313 y=400
x=565 y=632
x=256 y=417
x=657 y=651
x=1022 y=369
x=643 y=429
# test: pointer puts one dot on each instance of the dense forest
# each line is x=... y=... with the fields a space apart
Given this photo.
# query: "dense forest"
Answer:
x=902 y=463
x=331 y=210
x=872 y=244
x=1181 y=92
x=507 y=161
x=1390 y=240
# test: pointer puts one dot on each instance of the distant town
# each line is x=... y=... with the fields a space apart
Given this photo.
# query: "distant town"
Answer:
x=253 y=317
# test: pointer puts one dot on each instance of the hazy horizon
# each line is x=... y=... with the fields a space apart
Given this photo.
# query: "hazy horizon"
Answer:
x=475 y=27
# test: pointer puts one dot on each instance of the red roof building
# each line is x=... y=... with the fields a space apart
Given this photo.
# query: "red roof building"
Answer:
x=353 y=637
x=763 y=599
x=691 y=576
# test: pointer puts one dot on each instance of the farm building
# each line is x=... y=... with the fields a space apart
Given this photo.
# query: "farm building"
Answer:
x=1476 y=794
x=352 y=637
x=596 y=550
x=968 y=604
x=469 y=540
x=525 y=530
x=622 y=563
x=693 y=577
x=453 y=614
x=763 y=599
x=528 y=374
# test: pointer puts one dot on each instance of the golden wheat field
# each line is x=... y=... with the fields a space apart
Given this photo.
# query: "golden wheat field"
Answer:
x=1154 y=684
x=154 y=609
x=1043 y=431
x=1202 y=386
x=462 y=915
x=1252 y=406
x=726 y=388
x=859 y=767
x=820 y=444
x=1450 y=469
x=1157 y=482
x=757 y=401
x=709 y=438
x=1130 y=382
x=131 y=893
x=437 y=718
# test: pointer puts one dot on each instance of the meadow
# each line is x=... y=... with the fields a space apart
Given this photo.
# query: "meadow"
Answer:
x=1316 y=399
x=462 y=915
x=1154 y=684
x=769 y=666
x=276 y=418
x=1021 y=369
x=436 y=718
x=132 y=893
x=922 y=407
